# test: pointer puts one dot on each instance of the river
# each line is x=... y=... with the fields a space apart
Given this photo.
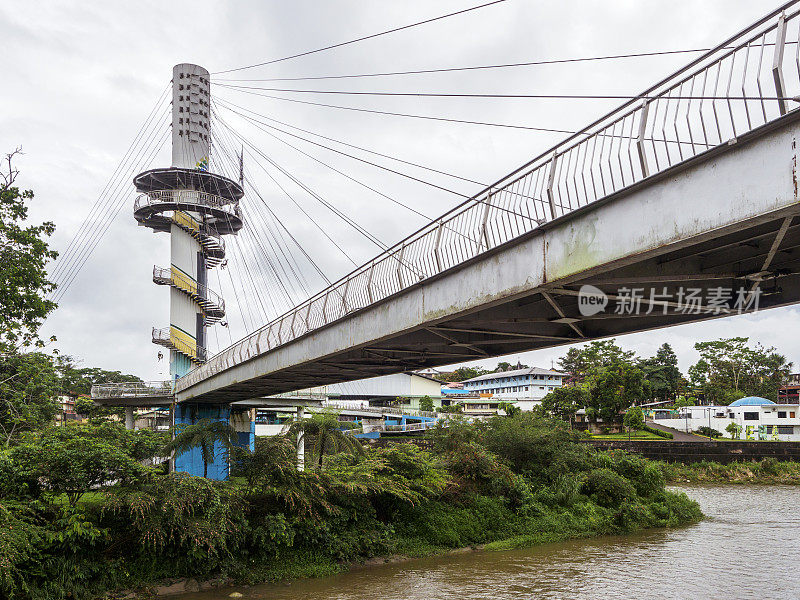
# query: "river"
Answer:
x=747 y=547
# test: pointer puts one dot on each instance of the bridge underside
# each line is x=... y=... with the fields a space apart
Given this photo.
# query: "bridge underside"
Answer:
x=727 y=219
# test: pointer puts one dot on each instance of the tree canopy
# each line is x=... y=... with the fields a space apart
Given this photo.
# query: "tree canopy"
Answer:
x=730 y=368
x=24 y=254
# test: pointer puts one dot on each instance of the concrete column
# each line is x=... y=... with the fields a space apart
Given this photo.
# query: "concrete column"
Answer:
x=172 y=435
x=301 y=444
x=128 y=417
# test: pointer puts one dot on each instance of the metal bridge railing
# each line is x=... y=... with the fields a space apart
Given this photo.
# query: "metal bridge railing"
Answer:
x=139 y=389
x=745 y=82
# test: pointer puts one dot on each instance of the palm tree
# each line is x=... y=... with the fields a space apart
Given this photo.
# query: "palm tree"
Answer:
x=205 y=434
x=328 y=434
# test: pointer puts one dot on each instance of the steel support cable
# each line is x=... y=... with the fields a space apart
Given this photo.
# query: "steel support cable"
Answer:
x=507 y=96
x=427 y=218
x=244 y=241
x=571 y=132
x=219 y=283
x=555 y=61
x=460 y=234
x=118 y=172
x=297 y=204
x=227 y=103
x=397 y=114
x=378 y=166
x=91 y=245
x=277 y=276
x=353 y=179
x=110 y=209
x=252 y=243
x=312 y=193
x=362 y=38
x=300 y=279
x=494 y=66
x=79 y=234
x=410 y=266
x=115 y=202
x=232 y=264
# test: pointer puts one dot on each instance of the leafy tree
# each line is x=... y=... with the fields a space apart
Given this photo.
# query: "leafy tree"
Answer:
x=426 y=403
x=582 y=363
x=24 y=254
x=75 y=381
x=328 y=435
x=661 y=373
x=76 y=459
x=464 y=373
x=206 y=435
x=633 y=419
x=684 y=401
x=511 y=409
x=735 y=430
x=614 y=388
x=729 y=369
x=272 y=455
x=28 y=389
x=564 y=402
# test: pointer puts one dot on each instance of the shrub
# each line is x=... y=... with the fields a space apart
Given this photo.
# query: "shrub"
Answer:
x=709 y=432
x=608 y=488
x=646 y=477
x=770 y=465
x=658 y=432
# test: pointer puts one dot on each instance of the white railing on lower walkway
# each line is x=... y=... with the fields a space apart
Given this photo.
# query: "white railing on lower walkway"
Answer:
x=132 y=389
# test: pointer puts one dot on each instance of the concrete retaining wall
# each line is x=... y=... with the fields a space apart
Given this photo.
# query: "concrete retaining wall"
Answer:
x=691 y=452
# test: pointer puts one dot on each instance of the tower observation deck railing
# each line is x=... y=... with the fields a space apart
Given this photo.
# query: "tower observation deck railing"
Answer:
x=188 y=198
x=746 y=82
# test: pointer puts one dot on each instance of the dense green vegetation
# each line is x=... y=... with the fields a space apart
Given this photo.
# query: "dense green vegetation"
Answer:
x=80 y=515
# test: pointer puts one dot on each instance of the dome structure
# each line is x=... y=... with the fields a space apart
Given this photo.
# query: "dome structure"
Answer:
x=751 y=401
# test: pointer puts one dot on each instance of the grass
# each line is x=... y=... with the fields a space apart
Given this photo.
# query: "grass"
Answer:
x=768 y=472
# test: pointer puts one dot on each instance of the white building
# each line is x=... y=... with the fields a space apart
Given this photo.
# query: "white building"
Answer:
x=524 y=387
x=759 y=419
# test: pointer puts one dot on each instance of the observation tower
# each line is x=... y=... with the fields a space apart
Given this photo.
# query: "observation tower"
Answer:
x=196 y=208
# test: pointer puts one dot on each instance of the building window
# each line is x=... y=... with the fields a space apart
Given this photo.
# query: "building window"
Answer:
x=781 y=414
x=785 y=429
x=791 y=414
x=751 y=416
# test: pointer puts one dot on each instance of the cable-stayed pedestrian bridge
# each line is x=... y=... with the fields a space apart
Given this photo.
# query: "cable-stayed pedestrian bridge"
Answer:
x=687 y=191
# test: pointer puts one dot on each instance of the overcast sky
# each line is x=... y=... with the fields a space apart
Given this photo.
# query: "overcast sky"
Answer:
x=81 y=78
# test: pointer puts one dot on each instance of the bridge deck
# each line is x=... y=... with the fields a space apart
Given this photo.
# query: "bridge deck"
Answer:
x=684 y=187
x=712 y=222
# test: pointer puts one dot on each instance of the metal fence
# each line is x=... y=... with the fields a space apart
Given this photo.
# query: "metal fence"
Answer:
x=139 y=389
x=745 y=82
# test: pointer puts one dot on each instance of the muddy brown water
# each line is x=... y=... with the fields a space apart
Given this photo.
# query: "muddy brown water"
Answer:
x=747 y=547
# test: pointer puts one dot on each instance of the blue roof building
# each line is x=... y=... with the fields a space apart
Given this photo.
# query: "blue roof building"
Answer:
x=751 y=401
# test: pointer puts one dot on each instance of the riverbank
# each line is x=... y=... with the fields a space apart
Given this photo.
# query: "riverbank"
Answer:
x=755 y=520
x=483 y=522
x=768 y=471
x=508 y=483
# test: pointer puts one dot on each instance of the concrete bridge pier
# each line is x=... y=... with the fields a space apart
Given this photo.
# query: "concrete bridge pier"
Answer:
x=128 y=417
x=301 y=443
